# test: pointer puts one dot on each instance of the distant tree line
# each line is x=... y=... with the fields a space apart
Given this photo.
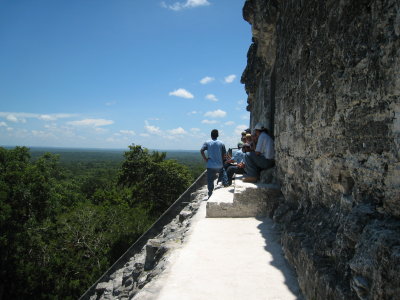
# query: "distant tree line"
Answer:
x=63 y=225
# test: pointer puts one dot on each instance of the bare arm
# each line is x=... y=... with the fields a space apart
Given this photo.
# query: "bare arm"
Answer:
x=204 y=156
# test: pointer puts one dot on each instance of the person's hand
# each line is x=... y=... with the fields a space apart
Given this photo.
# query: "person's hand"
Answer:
x=205 y=159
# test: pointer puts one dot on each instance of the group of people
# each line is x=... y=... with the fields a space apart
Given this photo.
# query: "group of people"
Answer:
x=255 y=153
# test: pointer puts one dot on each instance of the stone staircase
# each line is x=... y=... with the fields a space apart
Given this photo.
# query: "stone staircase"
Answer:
x=243 y=200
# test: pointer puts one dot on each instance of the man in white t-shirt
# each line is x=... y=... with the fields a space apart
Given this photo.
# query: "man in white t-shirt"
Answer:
x=262 y=158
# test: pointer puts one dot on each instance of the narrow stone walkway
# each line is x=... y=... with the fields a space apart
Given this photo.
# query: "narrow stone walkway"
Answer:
x=226 y=258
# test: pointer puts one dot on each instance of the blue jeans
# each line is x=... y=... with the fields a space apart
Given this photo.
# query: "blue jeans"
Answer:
x=211 y=175
x=255 y=163
x=231 y=171
x=223 y=177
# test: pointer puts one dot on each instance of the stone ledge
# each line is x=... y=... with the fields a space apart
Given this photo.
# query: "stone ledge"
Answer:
x=246 y=200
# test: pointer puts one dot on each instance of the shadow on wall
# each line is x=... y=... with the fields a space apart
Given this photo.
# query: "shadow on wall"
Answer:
x=273 y=246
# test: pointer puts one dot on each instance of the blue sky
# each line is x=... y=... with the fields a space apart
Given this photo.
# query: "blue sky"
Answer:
x=109 y=73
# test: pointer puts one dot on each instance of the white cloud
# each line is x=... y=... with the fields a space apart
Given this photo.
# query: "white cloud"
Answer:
x=51 y=126
x=111 y=140
x=206 y=80
x=183 y=5
x=46 y=118
x=12 y=118
x=53 y=117
x=209 y=121
x=10 y=129
x=144 y=134
x=193 y=112
x=215 y=114
x=110 y=103
x=181 y=93
x=91 y=122
x=21 y=116
x=229 y=123
x=195 y=130
x=152 y=129
x=212 y=97
x=230 y=78
x=195 y=3
x=240 y=102
x=61 y=133
x=3 y=124
x=41 y=134
x=100 y=130
x=177 y=131
x=127 y=132
x=245 y=116
x=240 y=128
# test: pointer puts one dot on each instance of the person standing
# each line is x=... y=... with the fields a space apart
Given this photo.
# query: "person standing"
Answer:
x=215 y=158
x=263 y=156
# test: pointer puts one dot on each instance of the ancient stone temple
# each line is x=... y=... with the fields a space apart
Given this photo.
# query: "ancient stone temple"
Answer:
x=325 y=77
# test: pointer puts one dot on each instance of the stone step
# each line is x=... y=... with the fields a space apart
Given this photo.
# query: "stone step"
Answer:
x=243 y=200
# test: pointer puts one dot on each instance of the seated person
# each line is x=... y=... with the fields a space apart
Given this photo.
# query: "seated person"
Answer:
x=263 y=156
x=230 y=161
x=243 y=138
x=235 y=164
x=251 y=141
x=248 y=145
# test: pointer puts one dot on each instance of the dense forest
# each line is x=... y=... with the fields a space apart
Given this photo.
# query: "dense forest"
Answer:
x=66 y=216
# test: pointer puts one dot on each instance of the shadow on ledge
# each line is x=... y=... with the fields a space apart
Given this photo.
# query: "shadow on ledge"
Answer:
x=272 y=245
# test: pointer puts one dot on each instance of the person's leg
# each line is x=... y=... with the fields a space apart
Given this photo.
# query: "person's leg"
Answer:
x=231 y=170
x=251 y=167
x=239 y=171
x=253 y=164
x=222 y=177
x=210 y=182
x=211 y=174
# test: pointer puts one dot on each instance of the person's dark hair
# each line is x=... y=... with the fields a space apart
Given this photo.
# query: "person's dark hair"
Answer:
x=214 y=133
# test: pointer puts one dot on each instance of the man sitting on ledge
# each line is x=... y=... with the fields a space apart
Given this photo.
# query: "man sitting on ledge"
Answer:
x=263 y=156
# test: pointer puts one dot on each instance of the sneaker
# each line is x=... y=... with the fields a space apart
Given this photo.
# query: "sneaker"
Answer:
x=250 y=179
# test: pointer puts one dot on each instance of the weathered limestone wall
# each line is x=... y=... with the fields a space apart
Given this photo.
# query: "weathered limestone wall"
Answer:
x=325 y=76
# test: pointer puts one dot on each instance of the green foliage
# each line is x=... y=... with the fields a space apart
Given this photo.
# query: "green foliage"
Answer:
x=27 y=199
x=155 y=182
x=64 y=221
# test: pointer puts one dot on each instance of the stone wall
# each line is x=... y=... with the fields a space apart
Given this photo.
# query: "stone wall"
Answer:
x=325 y=77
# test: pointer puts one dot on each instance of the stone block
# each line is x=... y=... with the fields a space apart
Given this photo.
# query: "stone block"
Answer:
x=104 y=286
x=185 y=214
x=267 y=176
x=154 y=251
x=244 y=200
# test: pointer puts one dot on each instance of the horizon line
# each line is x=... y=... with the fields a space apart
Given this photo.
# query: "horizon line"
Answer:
x=92 y=148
